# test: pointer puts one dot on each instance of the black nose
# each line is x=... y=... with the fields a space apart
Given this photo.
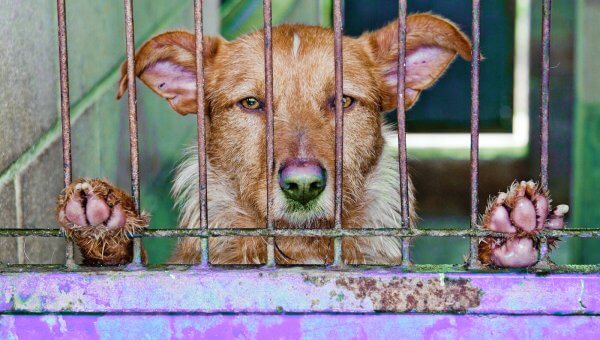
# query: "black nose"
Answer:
x=302 y=180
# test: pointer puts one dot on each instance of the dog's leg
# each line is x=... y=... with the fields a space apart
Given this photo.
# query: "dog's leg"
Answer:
x=522 y=213
x=98 y=217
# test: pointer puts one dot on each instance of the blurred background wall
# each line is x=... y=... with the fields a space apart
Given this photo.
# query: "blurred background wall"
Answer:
x=30 y=150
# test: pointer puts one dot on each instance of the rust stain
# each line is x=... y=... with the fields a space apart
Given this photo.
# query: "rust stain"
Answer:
x=414 y=294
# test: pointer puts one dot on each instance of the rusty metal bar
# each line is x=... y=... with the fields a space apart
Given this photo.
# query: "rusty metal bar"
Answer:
x=202 y=189
x=133 y=128
x=475 y=55
x=65 y=113
x=545 y=92
x=402 y=159
x=544 y=260
x=64 y=91
x=339 y=127
x=268 y=54
x=452 y=231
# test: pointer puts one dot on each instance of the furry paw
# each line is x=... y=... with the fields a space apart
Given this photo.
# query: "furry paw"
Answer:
x=98 y=217
x=521 y=213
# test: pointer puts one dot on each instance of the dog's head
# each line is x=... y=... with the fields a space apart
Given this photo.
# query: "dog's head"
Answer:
x=303 y=104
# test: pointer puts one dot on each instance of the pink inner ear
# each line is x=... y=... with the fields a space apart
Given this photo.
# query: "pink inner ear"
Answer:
x=169 y=79
x=423 y=66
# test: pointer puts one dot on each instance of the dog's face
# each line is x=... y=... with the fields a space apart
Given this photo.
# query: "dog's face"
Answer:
x=303 y=105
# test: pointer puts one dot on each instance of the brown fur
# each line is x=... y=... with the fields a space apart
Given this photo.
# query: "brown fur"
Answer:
x=303 y=68
x=100 y=245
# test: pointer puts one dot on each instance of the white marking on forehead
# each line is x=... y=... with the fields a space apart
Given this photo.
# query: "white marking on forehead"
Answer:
x=295 y=45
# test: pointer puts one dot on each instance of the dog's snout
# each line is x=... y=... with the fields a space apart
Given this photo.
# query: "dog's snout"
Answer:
x=302 y=180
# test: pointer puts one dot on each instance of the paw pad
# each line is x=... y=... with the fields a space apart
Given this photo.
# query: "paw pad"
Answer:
x=521 y=213
x=91 y=203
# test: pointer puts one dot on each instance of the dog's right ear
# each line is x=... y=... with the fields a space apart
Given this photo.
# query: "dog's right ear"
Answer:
x=167 y=64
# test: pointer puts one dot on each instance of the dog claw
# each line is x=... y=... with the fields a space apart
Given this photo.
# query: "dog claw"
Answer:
x=557 y=219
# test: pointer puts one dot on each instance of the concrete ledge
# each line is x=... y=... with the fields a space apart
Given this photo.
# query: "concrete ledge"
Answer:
x=298 y=290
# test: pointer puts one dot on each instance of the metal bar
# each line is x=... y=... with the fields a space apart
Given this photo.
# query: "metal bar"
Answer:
x=358 y=232
x=544 y=260
x=339 y=127
x=133 y=128
x=202 y=189
x=545 y=92
x=64 y=91
x=402 y=159
x=65 y=113
x=475 y=54
x=268 y=54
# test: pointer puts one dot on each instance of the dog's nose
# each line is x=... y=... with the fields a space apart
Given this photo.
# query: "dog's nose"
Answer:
x=302 y=180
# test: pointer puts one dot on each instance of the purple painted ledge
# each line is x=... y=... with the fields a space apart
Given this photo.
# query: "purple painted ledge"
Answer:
x=298 y=290
x=297 y=303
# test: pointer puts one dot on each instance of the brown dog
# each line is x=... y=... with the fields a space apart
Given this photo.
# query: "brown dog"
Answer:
x=97 y=215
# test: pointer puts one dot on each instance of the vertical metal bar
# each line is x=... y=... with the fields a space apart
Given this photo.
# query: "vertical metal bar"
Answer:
x=268 y=54
x=198 y=24
x=544 y=114
x=475 y=55
x=64 y=107
x=133 y=128
x=402 y=159
x=545 y=92
x=339 y=127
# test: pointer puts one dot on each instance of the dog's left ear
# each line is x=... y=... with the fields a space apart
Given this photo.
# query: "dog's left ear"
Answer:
x=432 y=43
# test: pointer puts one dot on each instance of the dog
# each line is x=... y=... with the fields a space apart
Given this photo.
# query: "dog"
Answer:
x=98 y=216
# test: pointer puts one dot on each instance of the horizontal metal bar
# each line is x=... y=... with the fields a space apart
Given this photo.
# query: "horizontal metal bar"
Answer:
x=6 y=268
x=363 y=232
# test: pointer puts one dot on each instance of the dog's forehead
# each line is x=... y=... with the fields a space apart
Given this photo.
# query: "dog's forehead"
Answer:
x=303 y=65
x=295 y=47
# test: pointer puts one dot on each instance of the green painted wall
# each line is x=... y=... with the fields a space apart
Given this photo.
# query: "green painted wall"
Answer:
x=586 y=146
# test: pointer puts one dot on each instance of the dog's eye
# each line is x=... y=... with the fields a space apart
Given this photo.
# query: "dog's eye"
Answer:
x=161 y=85
x=347 y=101
x=251 y=103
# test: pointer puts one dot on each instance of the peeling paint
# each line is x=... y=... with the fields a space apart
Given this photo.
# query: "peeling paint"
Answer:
x=580 y=300
x=317 y=280
x=414 y=294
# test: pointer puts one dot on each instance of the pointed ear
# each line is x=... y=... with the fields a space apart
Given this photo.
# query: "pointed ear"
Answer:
x=432 y=43
x=167 y=65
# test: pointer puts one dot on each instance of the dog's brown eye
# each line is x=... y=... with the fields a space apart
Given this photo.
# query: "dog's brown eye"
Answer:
x=251 y=103
x=347 y=101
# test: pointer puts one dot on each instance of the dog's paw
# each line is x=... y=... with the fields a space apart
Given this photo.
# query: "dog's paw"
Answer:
x=98 y=217
x=521 y=213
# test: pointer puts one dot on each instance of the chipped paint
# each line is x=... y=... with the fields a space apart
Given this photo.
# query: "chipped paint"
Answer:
x=414 y=294
x=581 y=295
